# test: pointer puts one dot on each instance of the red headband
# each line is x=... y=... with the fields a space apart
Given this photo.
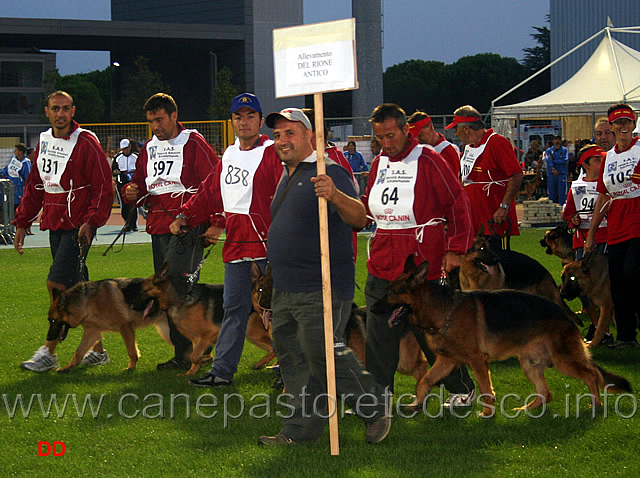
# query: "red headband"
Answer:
x=621 y=113
x=415 y=128
x=461 y=119
x=592 y=151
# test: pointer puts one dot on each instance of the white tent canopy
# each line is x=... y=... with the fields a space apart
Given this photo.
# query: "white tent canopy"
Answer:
x=611 y=75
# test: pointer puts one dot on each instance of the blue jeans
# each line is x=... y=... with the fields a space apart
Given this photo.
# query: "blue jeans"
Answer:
x=557 y=187
x=237 y=308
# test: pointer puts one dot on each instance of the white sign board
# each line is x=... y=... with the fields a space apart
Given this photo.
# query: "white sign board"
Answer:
x=315 y=58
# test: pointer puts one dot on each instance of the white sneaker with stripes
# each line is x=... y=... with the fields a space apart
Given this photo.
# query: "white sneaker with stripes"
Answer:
x=95 y=358
x=41 y=361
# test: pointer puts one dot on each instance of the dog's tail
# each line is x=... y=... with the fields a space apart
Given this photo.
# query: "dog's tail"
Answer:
x=612 y=382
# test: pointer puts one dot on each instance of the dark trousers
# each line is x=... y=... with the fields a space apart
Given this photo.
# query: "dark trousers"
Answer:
x=298 y=334
x=182 y=254
x=624 y=273
x=383 y=345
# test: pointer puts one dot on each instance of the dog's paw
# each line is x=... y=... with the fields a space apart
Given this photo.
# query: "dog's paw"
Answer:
x=63 y=370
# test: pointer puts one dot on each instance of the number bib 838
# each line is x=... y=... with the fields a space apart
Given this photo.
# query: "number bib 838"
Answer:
x=236 y=180
x=392 y=196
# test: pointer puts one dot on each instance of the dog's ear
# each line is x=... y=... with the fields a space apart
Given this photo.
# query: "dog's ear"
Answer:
x=586 y=262
x=256 y=273
x=59 y=299
x=422 y=270
x=163 y=273
x=409 y=264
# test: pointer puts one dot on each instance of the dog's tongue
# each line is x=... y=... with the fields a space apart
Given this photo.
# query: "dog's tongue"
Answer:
x=266 y=318
x=491 y=270
x=394 y=319
x=147 y=309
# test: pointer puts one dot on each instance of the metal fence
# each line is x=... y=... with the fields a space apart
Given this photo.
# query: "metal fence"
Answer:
x=218 y=133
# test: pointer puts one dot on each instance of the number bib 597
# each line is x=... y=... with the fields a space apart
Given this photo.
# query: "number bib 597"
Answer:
x=236 y=179
x=53 y=156
x=164 y=164
x=618 y=169
x=393 y=193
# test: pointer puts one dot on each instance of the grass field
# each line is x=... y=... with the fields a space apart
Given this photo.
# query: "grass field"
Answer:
x=151 y=423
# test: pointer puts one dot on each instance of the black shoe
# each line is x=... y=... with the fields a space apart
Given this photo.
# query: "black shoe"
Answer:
x=607 y=339
x=174 y=364
x=590 y=333
x=623 y=344
x=378 y=429
x=278 y=384
x=209 y=381
x=278 y=440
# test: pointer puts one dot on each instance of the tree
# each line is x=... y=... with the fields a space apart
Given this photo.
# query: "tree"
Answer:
x=538 y=57
x=437 y=88
x=224 y=93
x=137 y=88
x=87 y=98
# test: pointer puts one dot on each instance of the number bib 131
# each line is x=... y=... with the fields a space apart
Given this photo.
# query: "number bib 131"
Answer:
x=53 y=156
x=393 y=193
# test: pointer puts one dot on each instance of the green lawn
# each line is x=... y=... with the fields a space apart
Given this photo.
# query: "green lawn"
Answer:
x=154 y=423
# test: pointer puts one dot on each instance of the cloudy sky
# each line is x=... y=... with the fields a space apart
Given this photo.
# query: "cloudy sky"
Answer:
x=442 y=30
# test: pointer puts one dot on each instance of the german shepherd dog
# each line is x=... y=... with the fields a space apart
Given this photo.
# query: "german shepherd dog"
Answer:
x=118 y=305
x=412 y=360
x=475 y=328
x=484 y=269
x=559 y=242
x=590 y=276
x=528 y=186
x=199 y=316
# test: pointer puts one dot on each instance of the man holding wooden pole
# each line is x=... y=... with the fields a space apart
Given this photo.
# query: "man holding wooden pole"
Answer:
x=294 y=254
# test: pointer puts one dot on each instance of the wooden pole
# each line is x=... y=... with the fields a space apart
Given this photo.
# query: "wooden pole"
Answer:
x=334 y=438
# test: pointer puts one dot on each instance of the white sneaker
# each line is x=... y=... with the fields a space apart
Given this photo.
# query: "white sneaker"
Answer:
x=41 y=361
x=95 y=358
x=460 y=399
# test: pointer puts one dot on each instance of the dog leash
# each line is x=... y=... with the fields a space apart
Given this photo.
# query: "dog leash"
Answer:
x=123 y=231
x=193 y=277
x=82 y=258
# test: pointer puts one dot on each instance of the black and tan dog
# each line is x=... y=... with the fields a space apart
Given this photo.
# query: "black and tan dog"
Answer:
x=411 y=361
x=484 y=269
x=117 y=305
x=199 y=316
x=475 y=328
x=590 y=277
x=559 y=242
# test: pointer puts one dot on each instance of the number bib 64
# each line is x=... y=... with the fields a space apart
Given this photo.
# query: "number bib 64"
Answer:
x=392 y=196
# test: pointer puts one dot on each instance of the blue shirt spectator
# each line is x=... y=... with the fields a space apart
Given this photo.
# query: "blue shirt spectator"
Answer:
x=557 y=157
x=356 y=161
x=17 y=171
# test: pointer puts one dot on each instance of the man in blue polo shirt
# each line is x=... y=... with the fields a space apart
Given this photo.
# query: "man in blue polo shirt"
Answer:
x=557 y=167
